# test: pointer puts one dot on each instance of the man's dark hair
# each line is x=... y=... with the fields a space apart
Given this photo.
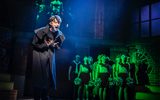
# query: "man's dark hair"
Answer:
x=57 y=17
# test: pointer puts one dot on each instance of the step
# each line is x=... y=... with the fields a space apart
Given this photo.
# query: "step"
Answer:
x=147 y=96
x=154 y=89
x=5 y=77
x=26 y=99
x=6 y=85
x=8 y=94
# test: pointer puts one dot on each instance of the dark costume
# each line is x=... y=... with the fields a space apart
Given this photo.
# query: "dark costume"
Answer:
x=123 y=76
x=104 y=76
x=43 y=68
x=75 y=66
x=85 y=76
x=143 y=78
x=75 y=69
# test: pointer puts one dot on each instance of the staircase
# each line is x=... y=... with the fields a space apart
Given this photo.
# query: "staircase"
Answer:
x=154 y=76
x=7 y=91
x=151 y=93
x=153 y=90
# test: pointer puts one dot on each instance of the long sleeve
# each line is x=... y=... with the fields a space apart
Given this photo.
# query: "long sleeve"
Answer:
x=59 y=40
x=38 y=43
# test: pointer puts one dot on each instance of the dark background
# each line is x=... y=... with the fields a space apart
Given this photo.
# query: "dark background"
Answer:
x=18 y=21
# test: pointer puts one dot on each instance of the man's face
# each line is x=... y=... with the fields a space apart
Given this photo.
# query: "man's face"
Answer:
x=55 y=24
x=77 y=58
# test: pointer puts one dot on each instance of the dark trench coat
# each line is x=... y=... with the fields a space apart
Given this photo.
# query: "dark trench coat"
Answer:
x=43 y=65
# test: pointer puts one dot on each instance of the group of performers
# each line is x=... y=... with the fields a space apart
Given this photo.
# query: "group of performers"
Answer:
x=103 y=79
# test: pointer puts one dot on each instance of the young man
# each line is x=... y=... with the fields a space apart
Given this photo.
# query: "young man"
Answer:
x=45 y=41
